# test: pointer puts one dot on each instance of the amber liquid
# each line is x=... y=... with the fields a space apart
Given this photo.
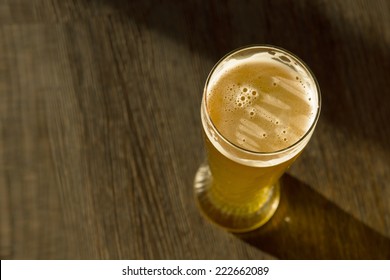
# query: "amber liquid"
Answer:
x=261 y=106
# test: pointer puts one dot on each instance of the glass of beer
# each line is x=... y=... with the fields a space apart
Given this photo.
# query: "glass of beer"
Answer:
x=259 y=108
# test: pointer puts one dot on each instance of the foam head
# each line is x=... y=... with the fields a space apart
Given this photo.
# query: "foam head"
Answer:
x=264 y=102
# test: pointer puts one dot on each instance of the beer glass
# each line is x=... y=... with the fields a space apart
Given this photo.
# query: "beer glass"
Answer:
x=259 y=108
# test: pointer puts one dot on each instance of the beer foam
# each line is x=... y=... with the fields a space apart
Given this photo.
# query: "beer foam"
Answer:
x=262 y=103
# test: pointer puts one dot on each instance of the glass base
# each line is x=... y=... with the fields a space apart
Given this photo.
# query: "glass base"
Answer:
x=234 y=219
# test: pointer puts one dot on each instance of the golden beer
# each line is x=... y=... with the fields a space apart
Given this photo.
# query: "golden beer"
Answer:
x=259 y=109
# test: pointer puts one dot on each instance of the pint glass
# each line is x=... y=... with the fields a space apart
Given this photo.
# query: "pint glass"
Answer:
x=259 y=108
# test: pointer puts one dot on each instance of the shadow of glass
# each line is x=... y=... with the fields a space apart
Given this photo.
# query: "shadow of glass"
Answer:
x=308 y=226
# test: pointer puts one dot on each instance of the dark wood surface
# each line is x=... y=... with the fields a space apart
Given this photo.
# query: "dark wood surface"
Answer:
x=100 y=133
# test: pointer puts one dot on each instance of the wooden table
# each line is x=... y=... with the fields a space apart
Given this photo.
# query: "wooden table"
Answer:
x=100 y=133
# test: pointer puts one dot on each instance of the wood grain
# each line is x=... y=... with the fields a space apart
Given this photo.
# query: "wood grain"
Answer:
x=100 y=130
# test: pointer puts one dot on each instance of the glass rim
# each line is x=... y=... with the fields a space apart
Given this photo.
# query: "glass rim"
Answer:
x=265 y=47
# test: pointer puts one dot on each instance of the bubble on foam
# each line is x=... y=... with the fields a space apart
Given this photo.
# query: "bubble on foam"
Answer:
x=284 y=58
x=244 y=96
